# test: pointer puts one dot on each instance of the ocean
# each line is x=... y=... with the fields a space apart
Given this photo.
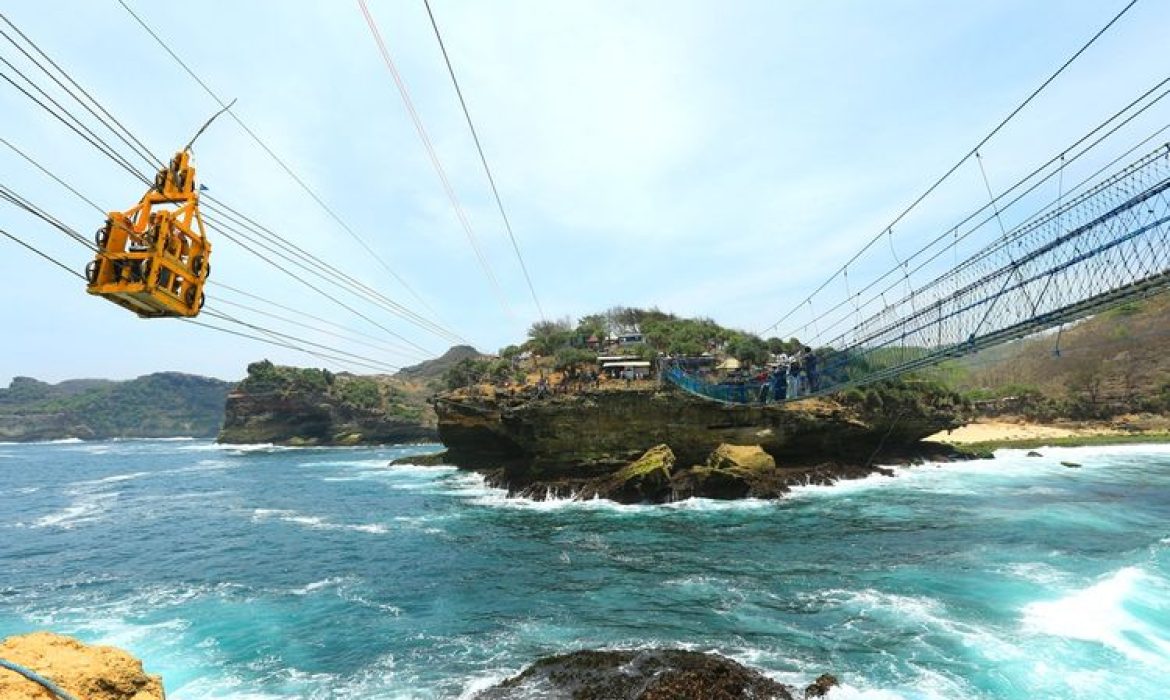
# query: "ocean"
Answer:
x=263 y=572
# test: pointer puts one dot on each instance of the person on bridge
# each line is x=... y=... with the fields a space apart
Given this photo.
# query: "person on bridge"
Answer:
x=779 y=384
x=810 y=369
x=792 y=375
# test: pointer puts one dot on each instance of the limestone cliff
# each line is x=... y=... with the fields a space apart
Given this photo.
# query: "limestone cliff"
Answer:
x=89 y=672
x=572 y=440
x=293 y=406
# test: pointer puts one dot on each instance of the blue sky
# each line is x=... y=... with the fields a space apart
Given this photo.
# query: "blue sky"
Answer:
x=716 y=159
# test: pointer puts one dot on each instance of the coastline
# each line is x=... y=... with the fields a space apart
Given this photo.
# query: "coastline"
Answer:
x=988 y=435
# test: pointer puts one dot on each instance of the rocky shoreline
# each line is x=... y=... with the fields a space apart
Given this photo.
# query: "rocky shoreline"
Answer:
x=108 y=673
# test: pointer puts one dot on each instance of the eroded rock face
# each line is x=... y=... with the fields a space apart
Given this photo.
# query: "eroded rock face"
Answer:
x=303 y=417
x=87 y=672
x=552 y=442
x=655 y=674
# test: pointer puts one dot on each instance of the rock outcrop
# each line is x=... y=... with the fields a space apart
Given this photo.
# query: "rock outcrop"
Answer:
x=587 y=443
x=87 y=672
x=653 y=674
x=294 y=406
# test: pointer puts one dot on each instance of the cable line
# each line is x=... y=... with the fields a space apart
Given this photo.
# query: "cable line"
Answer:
x=354 y=359
x=279 y=161
x=242 y=220
x=960 y=162
x=133 y=143
x=82 y=131
x=396 y=348
x=44 y=255
x=286 y=319
x=435 y=162
x=483 y=159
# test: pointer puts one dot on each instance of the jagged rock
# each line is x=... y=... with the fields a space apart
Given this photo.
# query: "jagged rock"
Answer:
x=1071 y=465
x=654 y=674
x=87 y=672
x=432 y=459
x=1033 y=453
x=820 y=687
x=645 y=479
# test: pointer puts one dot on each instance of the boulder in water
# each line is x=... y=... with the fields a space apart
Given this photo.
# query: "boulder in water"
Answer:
x=734 y=471
x=743 y=457
x=820 y=687
x=87 y=672
x=645 y=479
x=651 y=674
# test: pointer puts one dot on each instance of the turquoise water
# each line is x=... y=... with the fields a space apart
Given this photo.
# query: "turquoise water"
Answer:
x=323 y=573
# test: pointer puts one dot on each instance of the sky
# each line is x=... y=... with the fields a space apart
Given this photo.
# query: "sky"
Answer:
x=709 y=159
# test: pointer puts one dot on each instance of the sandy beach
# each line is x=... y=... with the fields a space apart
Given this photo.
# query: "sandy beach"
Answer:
x=1000 y=431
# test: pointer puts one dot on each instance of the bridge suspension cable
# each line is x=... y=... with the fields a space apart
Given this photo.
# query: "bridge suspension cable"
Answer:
x=483 y=159
x=950 y=171
x=1110 y=244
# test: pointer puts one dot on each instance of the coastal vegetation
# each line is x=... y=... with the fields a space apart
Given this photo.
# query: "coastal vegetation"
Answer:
x=295 y=405
x=165 y=404
x=1110 y=365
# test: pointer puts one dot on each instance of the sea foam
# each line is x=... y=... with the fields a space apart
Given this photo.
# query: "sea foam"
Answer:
x=1102 y=613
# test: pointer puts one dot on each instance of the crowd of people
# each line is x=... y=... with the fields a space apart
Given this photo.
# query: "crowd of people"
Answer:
x=792 y=376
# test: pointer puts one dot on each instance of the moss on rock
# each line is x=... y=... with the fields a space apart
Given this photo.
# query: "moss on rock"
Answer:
x=645 y=479
x=749 y=457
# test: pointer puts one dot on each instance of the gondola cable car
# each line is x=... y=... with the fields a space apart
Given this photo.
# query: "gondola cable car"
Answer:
x=154 y=259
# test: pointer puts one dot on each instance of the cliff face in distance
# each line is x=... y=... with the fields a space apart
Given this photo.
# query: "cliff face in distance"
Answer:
x=295 y=406
x=166 y=404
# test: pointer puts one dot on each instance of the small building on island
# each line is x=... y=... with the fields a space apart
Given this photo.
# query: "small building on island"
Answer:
x=625 y=368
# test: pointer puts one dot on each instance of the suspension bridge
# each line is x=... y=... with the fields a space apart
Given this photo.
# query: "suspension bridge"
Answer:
x=1103 y=248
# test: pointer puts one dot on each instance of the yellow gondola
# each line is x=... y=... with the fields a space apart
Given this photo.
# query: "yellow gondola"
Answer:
x=154 y=258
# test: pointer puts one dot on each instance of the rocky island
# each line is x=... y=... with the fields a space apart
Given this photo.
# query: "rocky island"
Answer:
x=579 y=412
x=655 y=443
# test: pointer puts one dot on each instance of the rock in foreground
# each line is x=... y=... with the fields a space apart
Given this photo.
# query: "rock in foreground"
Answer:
x=87 y=672
x=653 y=674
